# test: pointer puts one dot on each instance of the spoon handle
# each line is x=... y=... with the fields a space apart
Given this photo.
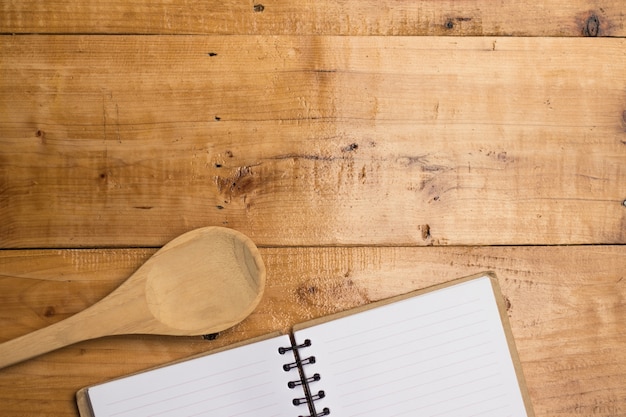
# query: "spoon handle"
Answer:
x=74 y=329
x=100 y=319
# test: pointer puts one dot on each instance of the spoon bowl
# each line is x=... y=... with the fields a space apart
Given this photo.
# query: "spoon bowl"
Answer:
x=202 y=282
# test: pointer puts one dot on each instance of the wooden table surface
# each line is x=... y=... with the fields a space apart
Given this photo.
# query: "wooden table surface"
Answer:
x=369 y=148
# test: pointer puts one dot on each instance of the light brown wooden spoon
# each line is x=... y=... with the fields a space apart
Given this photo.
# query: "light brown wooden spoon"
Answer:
x=202 y=282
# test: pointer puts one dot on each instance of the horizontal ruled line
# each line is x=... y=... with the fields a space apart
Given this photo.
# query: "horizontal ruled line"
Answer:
x=180 y=384
x=430 y=380
x=191 y=393
x=369 y=330
x=448 y=331
x=426 y=382
x=448 y=399
x=408 y=354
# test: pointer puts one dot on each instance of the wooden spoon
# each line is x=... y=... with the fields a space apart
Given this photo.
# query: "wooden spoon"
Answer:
x=202 y=282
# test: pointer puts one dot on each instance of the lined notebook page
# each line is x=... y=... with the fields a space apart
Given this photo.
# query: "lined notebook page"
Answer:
x=247 y=381
x=442 y=353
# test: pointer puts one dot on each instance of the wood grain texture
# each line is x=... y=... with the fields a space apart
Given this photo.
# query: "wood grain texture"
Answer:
x=566 y=306
x=285 y=17
x=132 y=140
x=363 y=147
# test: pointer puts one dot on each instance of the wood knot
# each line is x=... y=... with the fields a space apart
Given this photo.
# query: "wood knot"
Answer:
x=350 y=148
x=306 y=292
x=332 y=295
x=41 y=135
x=592 y=26
x=241 y=182
x=507 y=303
x=258 y=8
x=49 y=311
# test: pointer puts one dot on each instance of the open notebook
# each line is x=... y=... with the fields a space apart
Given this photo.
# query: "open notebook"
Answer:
x=446 y=351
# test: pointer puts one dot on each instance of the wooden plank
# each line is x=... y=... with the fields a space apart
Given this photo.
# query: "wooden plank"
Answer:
x=130 y=141
x=284 y=17
x=566 y=306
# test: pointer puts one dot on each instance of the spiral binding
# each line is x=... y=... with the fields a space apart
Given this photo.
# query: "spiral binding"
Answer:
x=303 y=400
x=283 y=350
x=316 y=377
x=325 y=412
x=292 y=365
x=309 y=397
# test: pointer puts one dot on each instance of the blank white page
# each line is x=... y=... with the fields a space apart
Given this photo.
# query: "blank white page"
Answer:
x=440 y=354
x=248 y=381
